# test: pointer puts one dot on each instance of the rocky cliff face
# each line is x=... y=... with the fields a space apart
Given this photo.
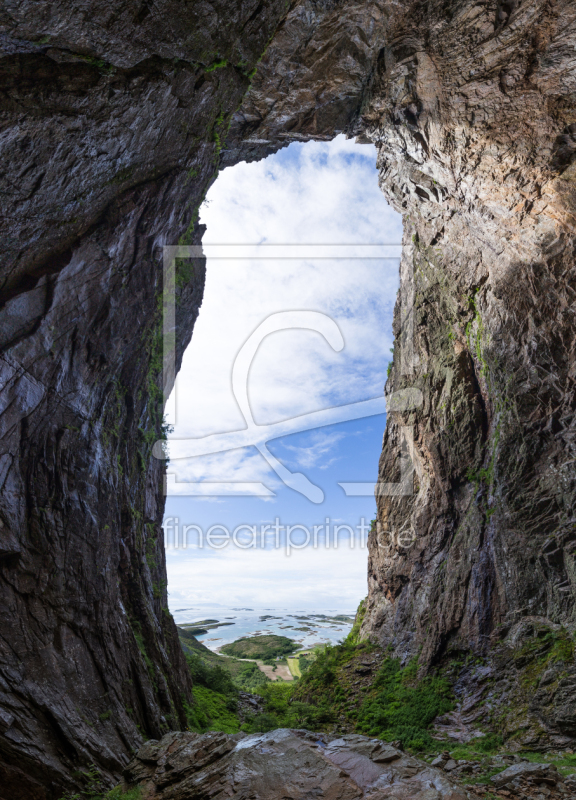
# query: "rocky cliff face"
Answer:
x=472 y=109
x=113 y=119
x=112 y=116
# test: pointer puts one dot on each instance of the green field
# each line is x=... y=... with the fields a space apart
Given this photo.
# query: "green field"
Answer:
x=265 y=647
x=294 y=666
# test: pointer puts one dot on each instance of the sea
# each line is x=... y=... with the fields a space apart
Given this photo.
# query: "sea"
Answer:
x=303 y=626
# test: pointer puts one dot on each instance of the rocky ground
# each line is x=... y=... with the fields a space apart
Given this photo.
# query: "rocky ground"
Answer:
x=297 y=764
x=508 y=776
x=284 y=764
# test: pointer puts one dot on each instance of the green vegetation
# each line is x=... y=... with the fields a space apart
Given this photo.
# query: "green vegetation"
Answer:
x=104 y=67
x=350 y=686
x=119 y=794
x=213 y=677
x=95 y=788
x=212 y=711
x=264 y=647
x=283 y=710
x=548 y=645
x=215 y=696
x=565 y=763
x=220 y=63
x=354 y=633
x=402 y=707
x=251 y=679
x=137 y=631
x=185 y=272
x=305 y=661
x=154 y=426
x=477 y=748
x=479 y=751
x=218 y=135
x=536 y=654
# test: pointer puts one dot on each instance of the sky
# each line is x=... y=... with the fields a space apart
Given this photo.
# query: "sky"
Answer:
x=302 y=275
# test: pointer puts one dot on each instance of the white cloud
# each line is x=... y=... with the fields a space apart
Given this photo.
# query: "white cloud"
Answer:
x=315 y=452
x=233 y=577
x=316 y=193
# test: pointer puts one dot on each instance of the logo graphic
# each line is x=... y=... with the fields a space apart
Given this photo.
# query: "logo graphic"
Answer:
x=259 y=436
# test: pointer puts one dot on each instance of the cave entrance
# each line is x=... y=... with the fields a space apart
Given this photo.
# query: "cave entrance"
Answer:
x=294 y=336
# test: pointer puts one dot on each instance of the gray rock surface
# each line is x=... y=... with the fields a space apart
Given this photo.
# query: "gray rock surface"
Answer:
x=539 y=773
x=482 y=170
x=283 y=763
x=110 y=118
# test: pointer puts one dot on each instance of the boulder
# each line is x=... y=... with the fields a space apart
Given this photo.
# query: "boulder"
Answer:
x=538 y=772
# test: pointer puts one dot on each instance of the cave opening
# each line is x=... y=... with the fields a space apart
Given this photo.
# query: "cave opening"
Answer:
x=302 y=266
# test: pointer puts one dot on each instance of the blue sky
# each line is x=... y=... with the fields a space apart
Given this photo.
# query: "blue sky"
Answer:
x=313 y=194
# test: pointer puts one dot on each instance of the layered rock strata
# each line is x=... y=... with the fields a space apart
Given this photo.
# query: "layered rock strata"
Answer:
x=284 y=763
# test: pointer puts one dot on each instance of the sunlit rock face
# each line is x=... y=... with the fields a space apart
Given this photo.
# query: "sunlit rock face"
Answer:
x=473 y=116
x=114 y=121
x=472 y=110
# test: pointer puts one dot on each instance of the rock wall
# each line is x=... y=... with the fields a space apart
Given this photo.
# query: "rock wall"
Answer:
x=113 y=121
x=112 y=116
x=473 y=113
x=472 y=110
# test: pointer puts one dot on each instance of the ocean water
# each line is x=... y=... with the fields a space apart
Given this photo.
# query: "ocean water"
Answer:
x=282 y=621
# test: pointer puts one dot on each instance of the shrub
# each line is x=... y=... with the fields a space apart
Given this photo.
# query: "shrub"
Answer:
x=488 y=744
x=251 y=679
x=212 y=711
x=215 y=678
